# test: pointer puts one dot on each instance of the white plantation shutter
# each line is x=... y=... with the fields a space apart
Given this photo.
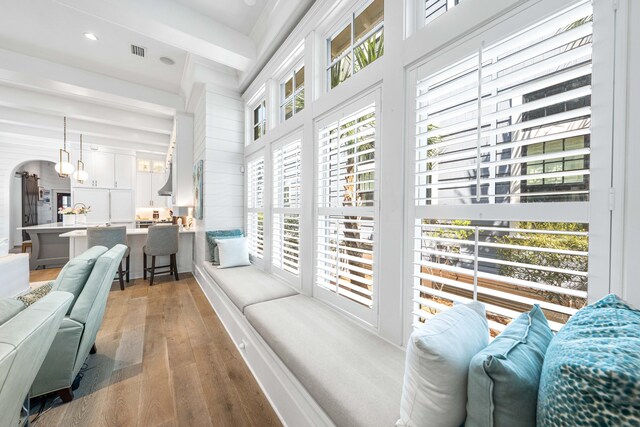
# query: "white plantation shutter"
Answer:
x=286 y=207
x=436 y=8
x=346 y=207
x=507 y=126
x=255 y=207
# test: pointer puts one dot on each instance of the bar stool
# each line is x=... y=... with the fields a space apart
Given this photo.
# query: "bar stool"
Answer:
x=162 y=240
x=109 y=237
x=27 y=244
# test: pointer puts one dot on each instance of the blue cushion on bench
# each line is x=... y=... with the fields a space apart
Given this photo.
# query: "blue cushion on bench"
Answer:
x=591 y=372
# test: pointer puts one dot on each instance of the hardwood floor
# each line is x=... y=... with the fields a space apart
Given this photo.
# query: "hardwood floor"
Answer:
x=42 y=275
x=164 y=359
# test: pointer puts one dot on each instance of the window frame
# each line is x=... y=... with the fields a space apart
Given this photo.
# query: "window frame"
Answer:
x=292 y=98
x=261 y=124
x=360 y=312
x=460 y=45
x=291 y=278
x=251 y=210
x=350 y=21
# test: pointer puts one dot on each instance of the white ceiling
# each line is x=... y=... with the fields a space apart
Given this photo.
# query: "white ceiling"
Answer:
x=233 y=13
x=48 y=30
x=49 y=69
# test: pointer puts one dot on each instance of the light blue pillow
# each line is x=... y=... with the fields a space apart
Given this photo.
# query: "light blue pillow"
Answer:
x=233 y=252
x=9 y=307
x=591 y=373
x=212 y=236
x=504 y=377
x=75 y=273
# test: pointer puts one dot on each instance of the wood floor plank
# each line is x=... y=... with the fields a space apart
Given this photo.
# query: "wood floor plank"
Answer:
x=164 y=359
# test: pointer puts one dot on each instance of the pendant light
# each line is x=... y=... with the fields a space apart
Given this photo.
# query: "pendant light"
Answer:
x=80 y=174
x=64 y=166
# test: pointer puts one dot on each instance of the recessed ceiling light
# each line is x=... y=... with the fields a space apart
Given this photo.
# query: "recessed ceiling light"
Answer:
x=167 y=60
x=91 y=36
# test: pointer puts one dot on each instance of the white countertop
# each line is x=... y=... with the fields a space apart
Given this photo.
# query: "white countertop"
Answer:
x=130 y=232
x=59 y=226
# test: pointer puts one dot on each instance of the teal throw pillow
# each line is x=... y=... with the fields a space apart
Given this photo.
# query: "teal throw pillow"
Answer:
x=504 y=377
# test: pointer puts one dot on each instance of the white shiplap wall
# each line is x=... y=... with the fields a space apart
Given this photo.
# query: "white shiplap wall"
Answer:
x=219 y=141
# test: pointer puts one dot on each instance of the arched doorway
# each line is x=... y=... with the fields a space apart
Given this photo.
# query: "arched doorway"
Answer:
x=36 y=193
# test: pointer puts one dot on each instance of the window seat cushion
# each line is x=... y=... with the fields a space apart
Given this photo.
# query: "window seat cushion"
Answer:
x=355 y=376
x=248 y=285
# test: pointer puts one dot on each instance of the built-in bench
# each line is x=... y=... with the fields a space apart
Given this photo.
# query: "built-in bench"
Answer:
x=352 y=374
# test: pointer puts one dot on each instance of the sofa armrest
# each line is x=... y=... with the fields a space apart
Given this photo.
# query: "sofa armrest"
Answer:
x=56 y=372
x=15 y=275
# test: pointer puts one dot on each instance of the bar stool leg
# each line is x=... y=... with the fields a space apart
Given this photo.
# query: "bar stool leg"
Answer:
x=121 y=276
x=153 y=268
x=144 y=266
x=174 y=263
x=128 y=267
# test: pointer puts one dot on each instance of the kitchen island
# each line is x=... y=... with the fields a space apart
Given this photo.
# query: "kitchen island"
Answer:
x=48 y=248
x=136 y=239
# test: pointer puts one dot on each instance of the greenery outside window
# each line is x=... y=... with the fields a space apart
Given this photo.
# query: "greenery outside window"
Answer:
x=356 y=45
x=292 y=94
x=259 y=120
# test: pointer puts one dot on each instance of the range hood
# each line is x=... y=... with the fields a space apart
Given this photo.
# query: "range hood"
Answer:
x=167 y=188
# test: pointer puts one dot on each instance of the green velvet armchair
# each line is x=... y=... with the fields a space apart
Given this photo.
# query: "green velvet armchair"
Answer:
x=77 y=334
x=24 y=341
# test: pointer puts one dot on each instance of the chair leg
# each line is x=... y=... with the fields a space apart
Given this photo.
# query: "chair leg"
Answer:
x=174 y=263
x=66 y=394
x=94 y=349
x=153 y=269
x=121 y=276
x=144 y=266
x=128 y=267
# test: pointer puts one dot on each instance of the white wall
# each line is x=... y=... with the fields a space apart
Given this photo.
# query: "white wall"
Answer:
x=219 y=142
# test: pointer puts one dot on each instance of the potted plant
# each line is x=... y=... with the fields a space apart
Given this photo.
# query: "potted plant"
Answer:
x=68 y=216
x=81 y=211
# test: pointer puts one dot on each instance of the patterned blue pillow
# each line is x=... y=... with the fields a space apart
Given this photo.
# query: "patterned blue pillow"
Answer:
x=591 y=372
x=219 y=234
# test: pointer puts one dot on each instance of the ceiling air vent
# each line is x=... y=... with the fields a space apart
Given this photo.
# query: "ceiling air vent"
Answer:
x=137 y=50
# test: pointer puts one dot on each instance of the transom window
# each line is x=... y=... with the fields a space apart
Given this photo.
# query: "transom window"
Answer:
x=506 y=126
x=436 y=8
x=259 y=120
x=346 y=221
x=292 y=93
x=357 y=45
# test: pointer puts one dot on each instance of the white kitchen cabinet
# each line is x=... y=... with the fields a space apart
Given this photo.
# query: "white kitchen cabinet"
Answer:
x=103 y=169
x=147 y=186
x=97 y=200
x=124 y=168
x=122 y=208
x=106 y=205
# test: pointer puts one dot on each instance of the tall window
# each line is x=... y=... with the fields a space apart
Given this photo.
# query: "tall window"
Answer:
x=292 y=93
x=346 y=208
x=356 y=45
x=506 y=126
x=255 y=207
x=285 y=254
x=259 y=120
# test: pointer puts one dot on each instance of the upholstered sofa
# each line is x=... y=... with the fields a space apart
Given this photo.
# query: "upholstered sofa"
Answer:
x=25 y=337
x=89 y=277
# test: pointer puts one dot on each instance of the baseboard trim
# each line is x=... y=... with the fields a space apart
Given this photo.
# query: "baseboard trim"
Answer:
x=288 y=397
